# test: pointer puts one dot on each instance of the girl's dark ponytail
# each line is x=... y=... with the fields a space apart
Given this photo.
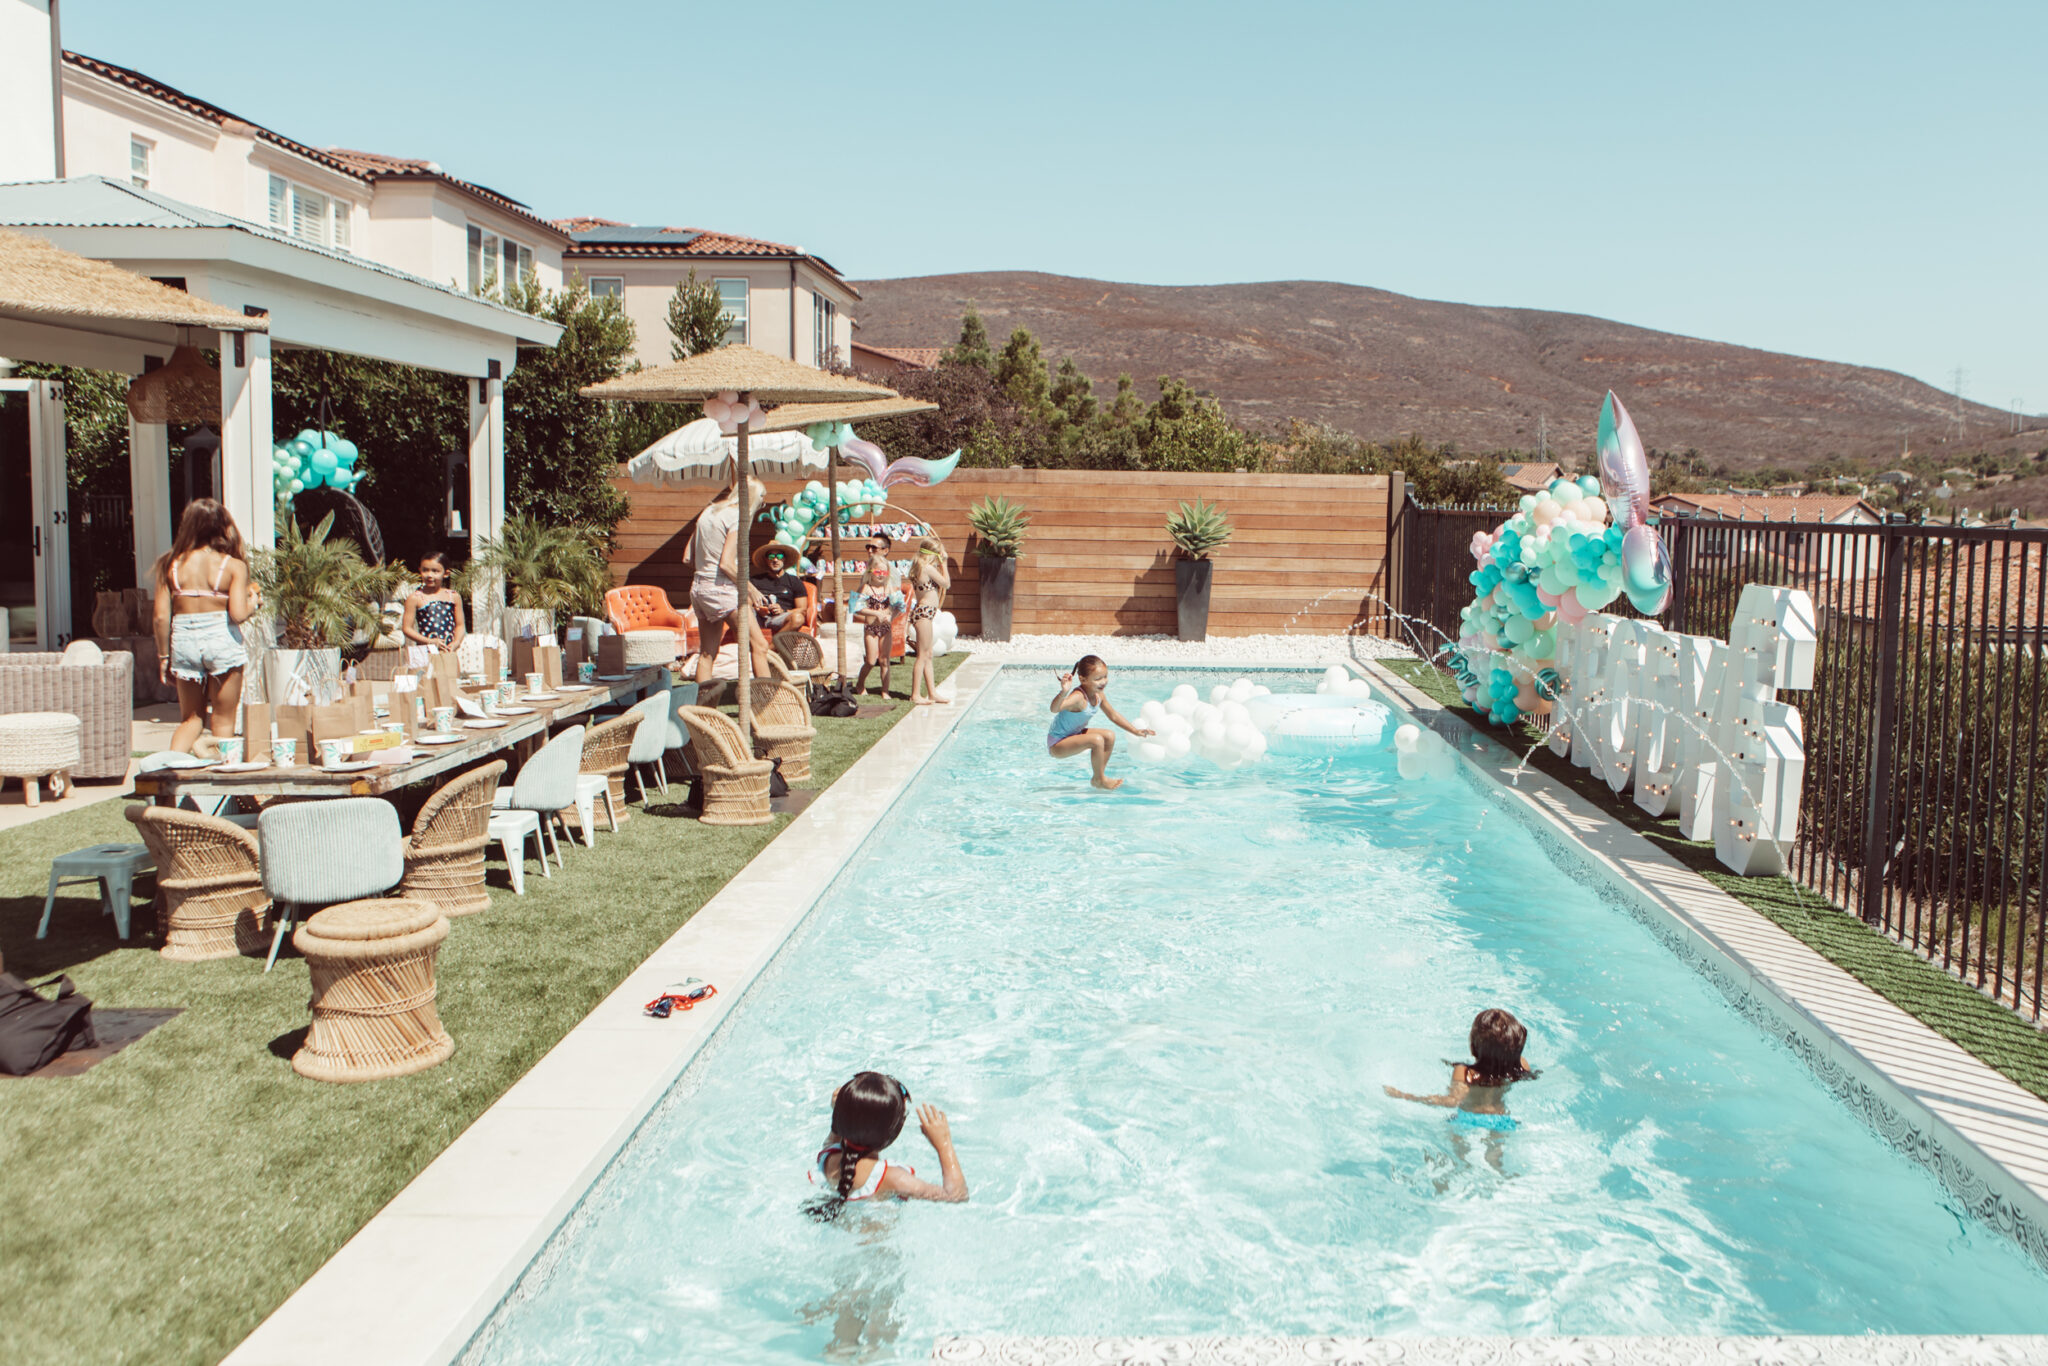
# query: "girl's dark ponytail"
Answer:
x=867 y=1115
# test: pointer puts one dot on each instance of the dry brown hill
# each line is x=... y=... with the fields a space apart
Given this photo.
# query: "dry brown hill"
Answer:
x=1380 y=365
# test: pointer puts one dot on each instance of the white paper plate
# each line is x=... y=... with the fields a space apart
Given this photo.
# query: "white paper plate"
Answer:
x=577 y=687
x=356 y=767
x=481 y=725
x=440 y=739
x=613 y=678
x=513 y=711
x=541 y=697
x=246 y=766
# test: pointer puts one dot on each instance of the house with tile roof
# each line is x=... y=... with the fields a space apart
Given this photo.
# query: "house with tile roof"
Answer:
x=1822 y=508
x=883 y=362
x=779 y=298
x=1531 y=477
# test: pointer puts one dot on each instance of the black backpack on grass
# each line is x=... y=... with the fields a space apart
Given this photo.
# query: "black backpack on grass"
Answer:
x=33 y=1030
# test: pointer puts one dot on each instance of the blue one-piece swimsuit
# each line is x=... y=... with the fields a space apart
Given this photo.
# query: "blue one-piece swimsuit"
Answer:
x=1065 y=723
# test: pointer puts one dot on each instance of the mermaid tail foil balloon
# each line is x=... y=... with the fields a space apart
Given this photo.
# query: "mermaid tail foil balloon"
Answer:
x=1625 y=482
x=911 y=469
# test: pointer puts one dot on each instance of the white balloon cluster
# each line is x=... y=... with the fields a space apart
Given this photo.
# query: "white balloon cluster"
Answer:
x=1423 y=754
x=945 y=633
x=728 y=412
x=1219 y=730
x=1338 y=681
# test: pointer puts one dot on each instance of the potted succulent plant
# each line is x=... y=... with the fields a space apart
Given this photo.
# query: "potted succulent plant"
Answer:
x=1001 y=525
x=549 y=571
x=1198 y=530
x=319 y=594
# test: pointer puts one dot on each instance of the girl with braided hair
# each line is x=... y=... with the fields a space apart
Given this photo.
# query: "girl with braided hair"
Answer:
x=867 y=1115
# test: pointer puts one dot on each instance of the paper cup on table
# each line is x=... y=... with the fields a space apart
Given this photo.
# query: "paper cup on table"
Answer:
x=285 y=751
x=532 y=683
x=444 y=720
x=506 y=692
x=333 y=753
x=586 y=671
x=393 y=727
x=231 y=749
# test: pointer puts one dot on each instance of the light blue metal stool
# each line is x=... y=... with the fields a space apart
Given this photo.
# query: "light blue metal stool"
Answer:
x=113 y=866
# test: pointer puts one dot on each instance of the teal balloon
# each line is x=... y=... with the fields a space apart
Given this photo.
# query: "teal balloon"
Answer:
x=324 y=461
x=308 y=435
x=300 y=446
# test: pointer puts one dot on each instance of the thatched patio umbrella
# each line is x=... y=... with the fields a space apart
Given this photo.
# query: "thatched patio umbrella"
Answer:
x=795 y=416
x=755 y=376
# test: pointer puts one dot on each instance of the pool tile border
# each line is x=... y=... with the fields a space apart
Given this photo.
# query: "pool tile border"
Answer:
x=415 y=1283
x=1981 y=1135
x=1492 y=1351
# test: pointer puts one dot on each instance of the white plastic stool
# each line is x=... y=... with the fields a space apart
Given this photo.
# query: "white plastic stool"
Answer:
x=589 y=787
x=113 y=866
x=511 y=829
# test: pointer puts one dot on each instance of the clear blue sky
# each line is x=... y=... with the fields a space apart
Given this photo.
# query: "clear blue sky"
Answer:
x=1859 y=182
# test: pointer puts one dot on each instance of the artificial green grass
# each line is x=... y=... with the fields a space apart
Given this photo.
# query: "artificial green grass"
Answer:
x=1987 y=1030
x=160 y=1205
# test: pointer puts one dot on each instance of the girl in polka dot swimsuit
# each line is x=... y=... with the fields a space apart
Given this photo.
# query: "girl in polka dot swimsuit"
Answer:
x=433 y=615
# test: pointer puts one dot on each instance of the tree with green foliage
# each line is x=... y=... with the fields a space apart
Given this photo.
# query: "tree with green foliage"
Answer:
x=972 y=349
x=1188 y=431
x=1073 y=396
x=561 y=450
x=697 y=320
x=1021 y=374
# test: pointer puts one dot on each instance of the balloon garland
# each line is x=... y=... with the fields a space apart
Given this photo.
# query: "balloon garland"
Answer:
x=1572 y=549
x=728 y=412
x=312 y=459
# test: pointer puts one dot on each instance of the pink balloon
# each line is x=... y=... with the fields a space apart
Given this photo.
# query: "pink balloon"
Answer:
x=1569 y=609
x=1545 y=596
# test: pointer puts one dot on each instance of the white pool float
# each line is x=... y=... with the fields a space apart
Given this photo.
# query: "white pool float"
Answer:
x=1298 y=723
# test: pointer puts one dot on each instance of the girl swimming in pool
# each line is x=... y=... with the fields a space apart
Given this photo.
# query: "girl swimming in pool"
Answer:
x=1082 y=694
x=867 y=1115
x=1478 y=1091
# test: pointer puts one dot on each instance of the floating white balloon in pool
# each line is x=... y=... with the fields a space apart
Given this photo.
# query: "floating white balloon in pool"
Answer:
x=1339 y=681
x=1422 y=754
x=1220 y=730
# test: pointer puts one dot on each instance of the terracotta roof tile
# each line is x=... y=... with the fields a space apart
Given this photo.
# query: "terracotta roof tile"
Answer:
x=919 y=357
x=1740 y=507
x=572 y=226
x=198 y=108
x=377 y=166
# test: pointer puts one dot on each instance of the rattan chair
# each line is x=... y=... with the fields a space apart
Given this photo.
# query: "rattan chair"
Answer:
x=735 y=784
x=444 y=856
x=800 y=652
x=372 y=969
x=605 y=747
x=782 y=727
x=209 y=882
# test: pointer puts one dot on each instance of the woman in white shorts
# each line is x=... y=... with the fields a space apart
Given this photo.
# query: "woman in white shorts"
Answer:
x=203 y=595
x=715 y=585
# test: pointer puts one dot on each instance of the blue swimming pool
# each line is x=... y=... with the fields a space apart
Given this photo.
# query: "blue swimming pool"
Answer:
x=1161 y=1021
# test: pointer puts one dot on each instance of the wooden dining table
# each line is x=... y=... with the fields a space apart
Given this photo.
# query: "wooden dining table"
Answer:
x=167 y=786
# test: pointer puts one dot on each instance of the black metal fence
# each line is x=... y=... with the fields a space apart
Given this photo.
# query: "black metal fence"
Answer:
x=1924 y=807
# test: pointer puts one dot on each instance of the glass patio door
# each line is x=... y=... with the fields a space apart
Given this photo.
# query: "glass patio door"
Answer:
x=35 y=514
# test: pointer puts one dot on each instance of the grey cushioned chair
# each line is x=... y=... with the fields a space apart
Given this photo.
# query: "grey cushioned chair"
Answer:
x=546 y=784
x=680 y=695
x=650 y=742
x=319 y=854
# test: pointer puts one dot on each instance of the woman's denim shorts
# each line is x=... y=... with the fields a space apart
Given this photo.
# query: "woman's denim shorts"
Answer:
x=204 y=643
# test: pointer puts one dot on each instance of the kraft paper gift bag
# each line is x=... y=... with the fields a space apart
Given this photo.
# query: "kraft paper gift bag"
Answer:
x=255 y=731
x=295 y=723
x=334 y=721
x=494 y=661
x=547 y=660
x=611 y=655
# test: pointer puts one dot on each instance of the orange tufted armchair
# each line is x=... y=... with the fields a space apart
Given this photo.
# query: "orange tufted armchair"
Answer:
x=642 y=607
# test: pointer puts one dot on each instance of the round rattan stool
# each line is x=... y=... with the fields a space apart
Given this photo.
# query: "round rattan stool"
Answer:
x=645 y=649
x=373 y=990
x=40 y=744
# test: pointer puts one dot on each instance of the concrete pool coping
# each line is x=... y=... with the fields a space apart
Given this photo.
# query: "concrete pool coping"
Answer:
x=418 y=1281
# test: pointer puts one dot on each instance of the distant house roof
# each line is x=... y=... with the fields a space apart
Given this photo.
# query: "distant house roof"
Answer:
x=601 y=239
x=1533 y=477
x=912 y=357
x=375 y=166
x=1744 y=507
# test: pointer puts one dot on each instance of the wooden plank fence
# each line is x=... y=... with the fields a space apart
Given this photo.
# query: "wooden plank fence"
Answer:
x=1309 y=553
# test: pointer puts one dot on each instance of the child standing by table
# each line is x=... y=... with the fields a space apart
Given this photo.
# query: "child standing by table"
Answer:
x=433 y=615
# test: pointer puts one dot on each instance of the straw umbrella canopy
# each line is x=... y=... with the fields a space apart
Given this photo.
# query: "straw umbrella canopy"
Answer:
x=752 y=375
x=792 y=416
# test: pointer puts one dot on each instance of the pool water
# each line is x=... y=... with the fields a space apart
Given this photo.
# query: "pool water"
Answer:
x=1161 y=1022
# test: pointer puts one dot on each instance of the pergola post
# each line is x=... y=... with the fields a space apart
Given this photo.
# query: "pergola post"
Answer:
x=149 y=476
x=487 y=490
x=248 y=486
x=743 y=619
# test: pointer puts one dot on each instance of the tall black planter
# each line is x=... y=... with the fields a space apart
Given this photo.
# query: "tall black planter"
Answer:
x=1191 y=597
x=998 y=590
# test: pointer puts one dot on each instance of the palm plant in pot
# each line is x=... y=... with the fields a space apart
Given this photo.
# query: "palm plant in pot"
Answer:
x=1198 y=530
x=319 y=595
x=1000 y=524
x=548 y=572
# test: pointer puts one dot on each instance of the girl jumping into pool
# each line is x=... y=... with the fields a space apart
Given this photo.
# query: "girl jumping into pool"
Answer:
x=1075 y=707
x=867 y=1115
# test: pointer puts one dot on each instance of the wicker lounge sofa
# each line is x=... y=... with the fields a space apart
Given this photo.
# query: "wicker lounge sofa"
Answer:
x=101 y=695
